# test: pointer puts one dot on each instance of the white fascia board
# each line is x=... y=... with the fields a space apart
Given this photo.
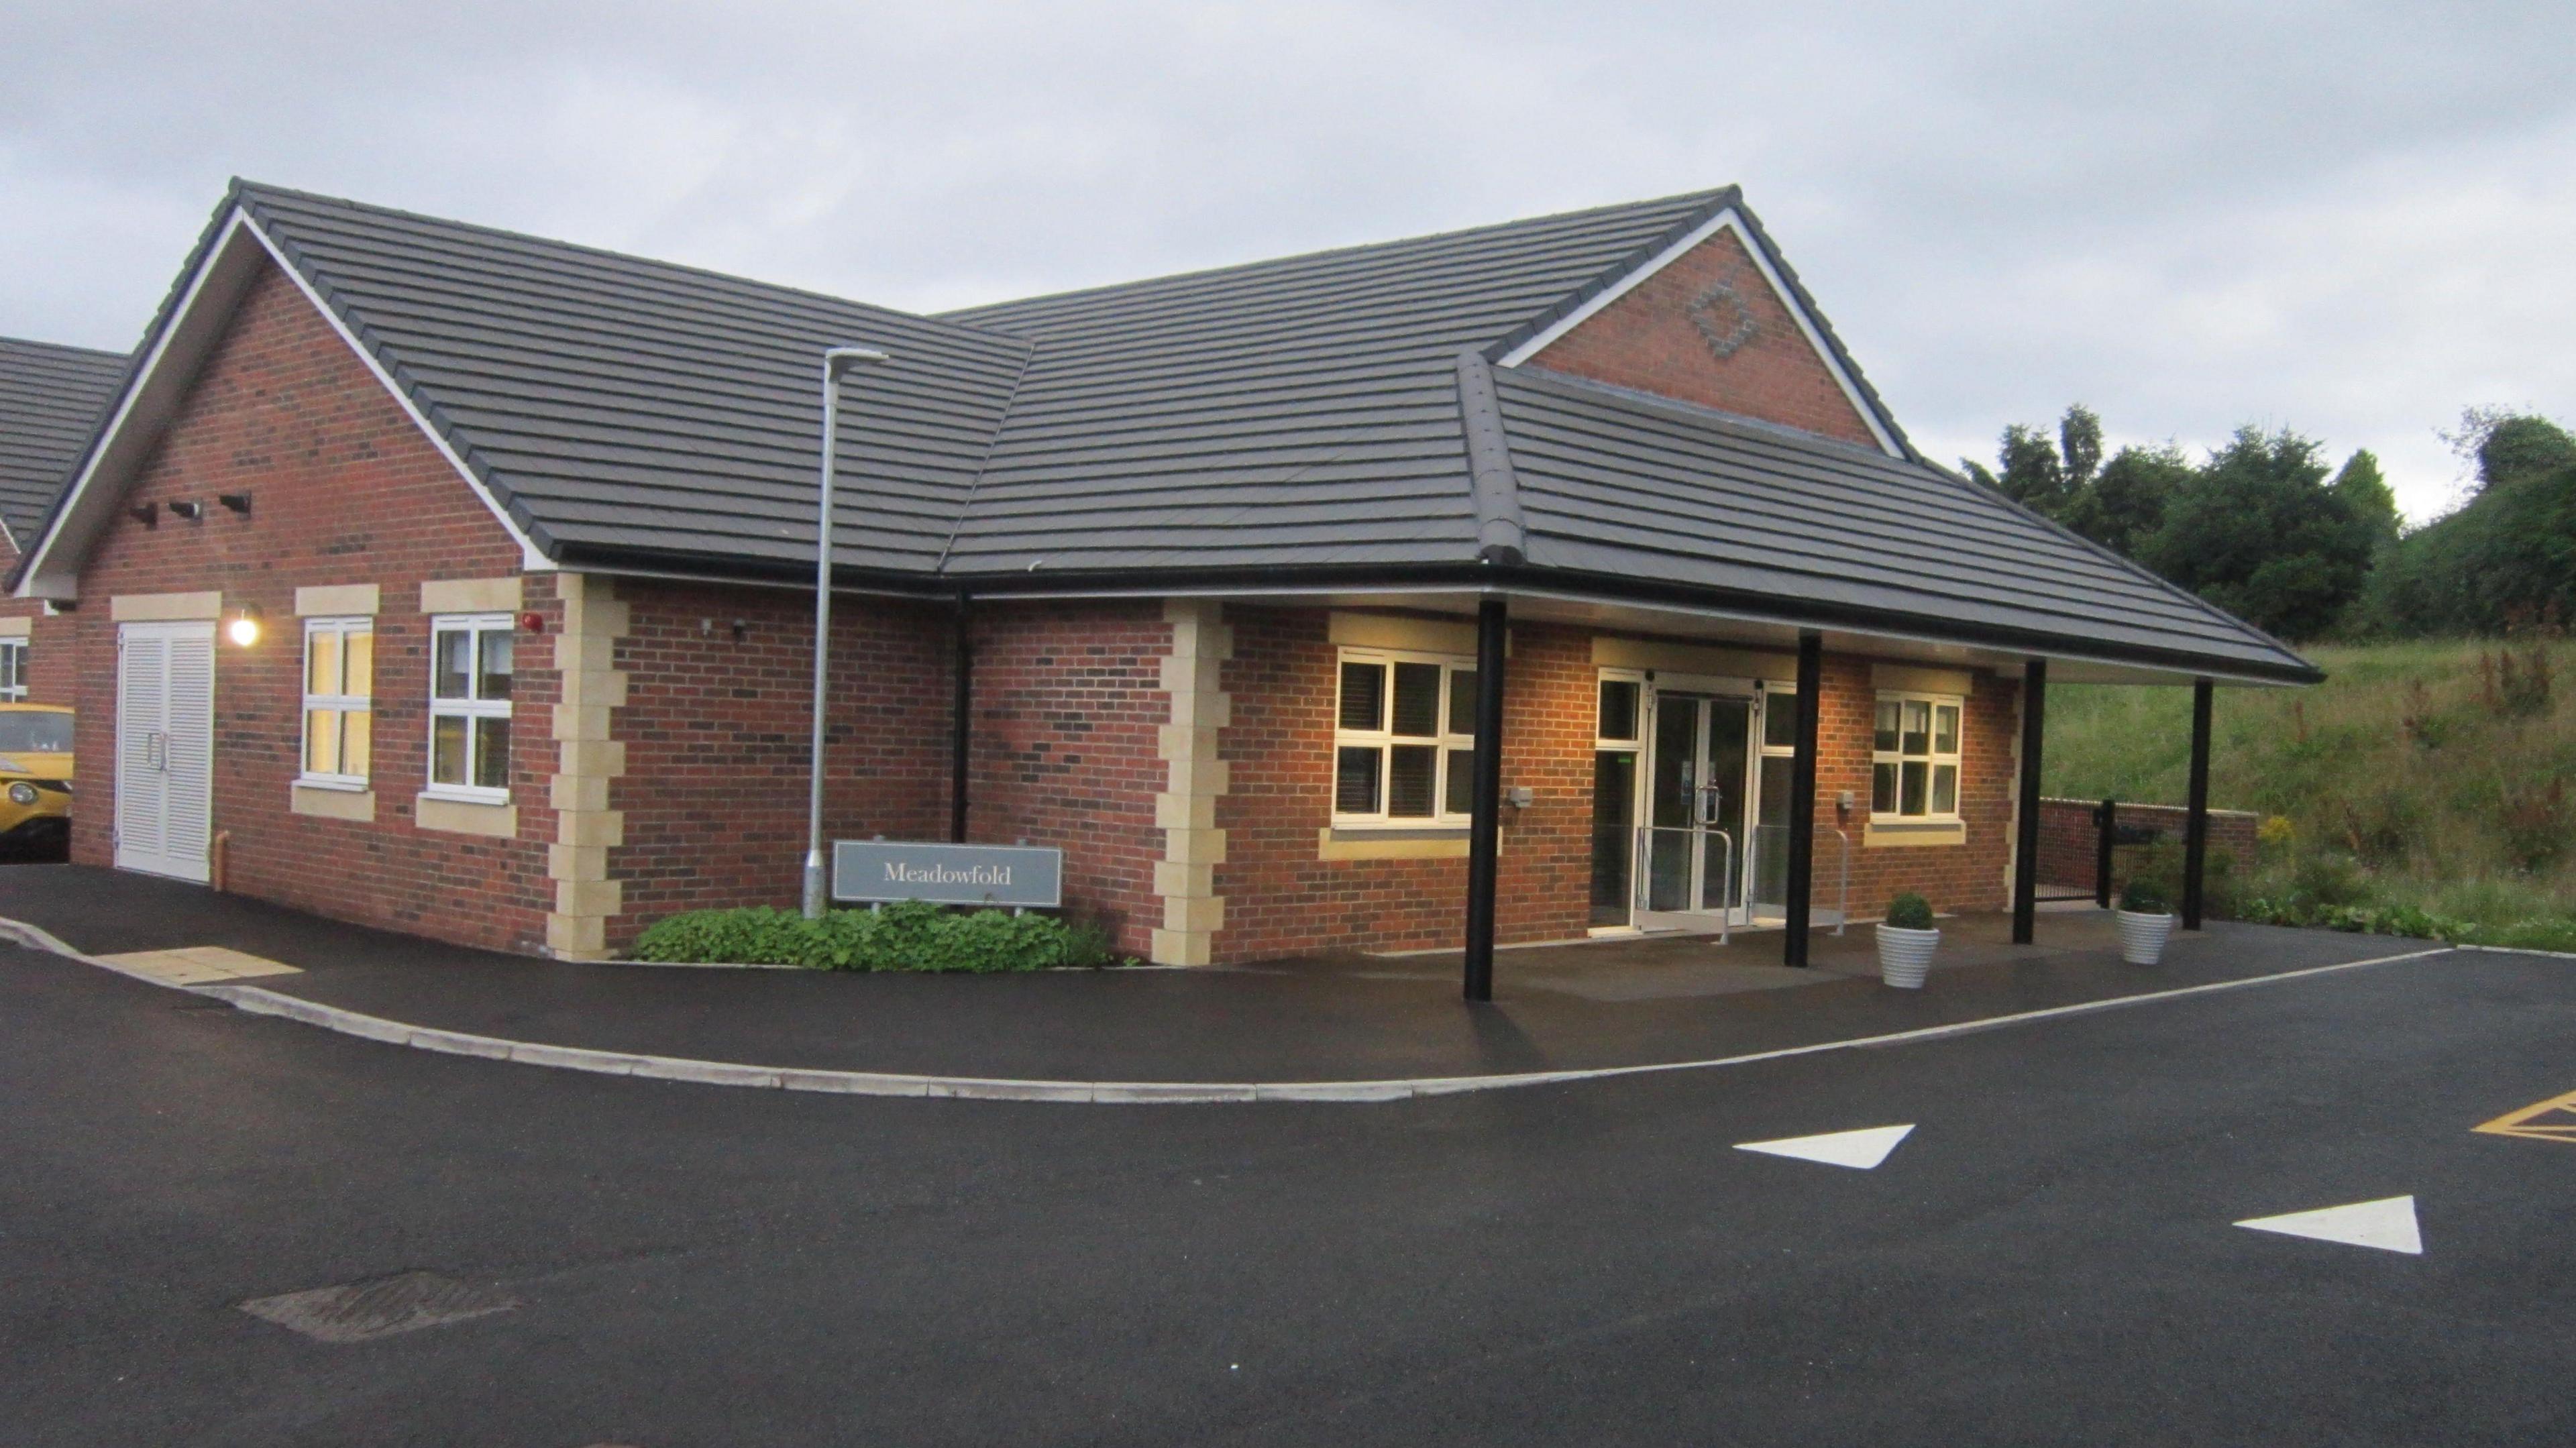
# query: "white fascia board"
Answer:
x=1726 y=220
x=147 y=406
x=205 y=308
x=531 y=558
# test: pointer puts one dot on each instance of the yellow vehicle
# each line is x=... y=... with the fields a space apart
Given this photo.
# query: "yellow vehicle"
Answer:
x=35 y=780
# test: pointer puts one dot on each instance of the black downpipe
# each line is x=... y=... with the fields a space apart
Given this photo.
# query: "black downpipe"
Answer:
x=2034 y=716
x=2106 y=821
x=1485 y=818
x=2195 y=829
x=1802 y=797
x=961 y=722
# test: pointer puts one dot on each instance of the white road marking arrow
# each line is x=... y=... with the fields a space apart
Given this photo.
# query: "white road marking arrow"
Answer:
x=2387 y=1224
x=1859 y=1150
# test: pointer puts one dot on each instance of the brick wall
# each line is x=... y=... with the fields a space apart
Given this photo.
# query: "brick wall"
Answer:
x=345 y=490
x=1966 y=876
x=2068 y=838
x=1647 y=340
x=1069 y=708
x=717 y=733
x=1281 y=898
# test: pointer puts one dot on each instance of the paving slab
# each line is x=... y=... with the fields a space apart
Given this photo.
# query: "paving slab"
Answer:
x=1310 y=1019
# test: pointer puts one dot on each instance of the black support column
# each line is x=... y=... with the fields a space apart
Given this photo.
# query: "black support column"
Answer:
x=1485 y=817
x=2195 y=829
x=2034 y=720
x=961 y=723
x=1802 y=797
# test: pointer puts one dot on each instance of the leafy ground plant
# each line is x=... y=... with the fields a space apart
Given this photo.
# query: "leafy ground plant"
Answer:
x=911 y=935
x=2410 y=787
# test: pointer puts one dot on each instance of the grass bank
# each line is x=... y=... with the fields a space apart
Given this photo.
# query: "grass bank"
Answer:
x=2434 y=775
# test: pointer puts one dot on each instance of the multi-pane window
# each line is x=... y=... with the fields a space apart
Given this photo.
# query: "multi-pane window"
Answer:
x=1914 y=760
x=13 y=671
x=1404 y=739
x=339 y=699
x=469 y=706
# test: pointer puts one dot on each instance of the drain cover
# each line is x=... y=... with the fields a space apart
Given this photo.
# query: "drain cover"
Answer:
x=379 y=1306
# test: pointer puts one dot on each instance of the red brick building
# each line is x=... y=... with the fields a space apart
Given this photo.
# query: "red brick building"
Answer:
x=457 y=581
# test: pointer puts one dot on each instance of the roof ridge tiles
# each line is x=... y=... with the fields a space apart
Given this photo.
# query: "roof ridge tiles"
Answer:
x=1500 y=530
x=1330 y=253
x=248 y=191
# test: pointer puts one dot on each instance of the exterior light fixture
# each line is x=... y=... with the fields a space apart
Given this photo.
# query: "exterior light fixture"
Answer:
x=187 y=508
x=147 y=514
x=243 y=627
x=837 y=361
x=237 y=502
x=532 y=622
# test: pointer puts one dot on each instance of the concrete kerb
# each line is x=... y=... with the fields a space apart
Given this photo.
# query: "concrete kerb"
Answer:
x=258 y=1001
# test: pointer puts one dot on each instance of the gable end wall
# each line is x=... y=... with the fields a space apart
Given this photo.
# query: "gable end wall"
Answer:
x=345 y=490
x=1648 y=340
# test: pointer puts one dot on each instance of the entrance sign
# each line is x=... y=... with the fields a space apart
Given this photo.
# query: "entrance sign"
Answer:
x=1013 y=875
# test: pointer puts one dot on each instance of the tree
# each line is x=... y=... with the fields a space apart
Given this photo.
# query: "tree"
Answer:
x=2044 y=476
x=2126 y=503
x=2503 y=561
x=2258 y=532
x=2367 y=493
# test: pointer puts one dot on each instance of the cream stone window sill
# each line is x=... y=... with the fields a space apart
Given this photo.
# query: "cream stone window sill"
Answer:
x=332 y=799
x=1899 y=833
x=465 y=815
x=1383 y=842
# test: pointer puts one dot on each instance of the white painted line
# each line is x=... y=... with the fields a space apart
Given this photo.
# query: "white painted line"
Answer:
x=259 y=1001
x=1860 y=1150
x=2387 y=1224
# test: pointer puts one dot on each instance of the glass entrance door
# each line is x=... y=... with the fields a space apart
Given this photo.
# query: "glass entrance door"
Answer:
x=1692 y=826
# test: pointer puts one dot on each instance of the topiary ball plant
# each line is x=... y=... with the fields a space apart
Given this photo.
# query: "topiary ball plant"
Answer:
x=2141 y=897
x=1909 y=911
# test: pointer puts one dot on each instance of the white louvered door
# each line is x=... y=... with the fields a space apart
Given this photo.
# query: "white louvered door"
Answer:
x=165 y=736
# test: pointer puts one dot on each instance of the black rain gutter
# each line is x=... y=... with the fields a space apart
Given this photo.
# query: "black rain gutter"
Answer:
x=1463 y=576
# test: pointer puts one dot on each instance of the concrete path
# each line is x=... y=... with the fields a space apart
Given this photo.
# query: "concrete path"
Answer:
x=1350 y=1028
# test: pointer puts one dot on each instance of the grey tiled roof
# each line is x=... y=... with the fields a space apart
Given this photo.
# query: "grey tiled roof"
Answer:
x=51 y=398
x=1619 y=485
x=1336 y=416
x=612 y=403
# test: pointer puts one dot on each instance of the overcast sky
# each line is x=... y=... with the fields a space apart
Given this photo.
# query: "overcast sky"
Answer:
x=2349 y=219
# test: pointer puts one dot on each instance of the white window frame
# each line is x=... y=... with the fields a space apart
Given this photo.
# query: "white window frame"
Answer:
x=469 y=708
x=1383 y=739
x=1932 y=760
x=343 y=702
x=13 y=671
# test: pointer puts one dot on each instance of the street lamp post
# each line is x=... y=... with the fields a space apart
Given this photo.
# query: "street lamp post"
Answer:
x=836 y=361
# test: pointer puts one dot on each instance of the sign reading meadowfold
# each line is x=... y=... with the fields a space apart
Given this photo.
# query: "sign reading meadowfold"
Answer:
x=875 y=870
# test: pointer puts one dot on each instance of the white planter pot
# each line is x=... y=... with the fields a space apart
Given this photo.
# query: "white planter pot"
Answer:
x=2142 y=937
x=1904 y=955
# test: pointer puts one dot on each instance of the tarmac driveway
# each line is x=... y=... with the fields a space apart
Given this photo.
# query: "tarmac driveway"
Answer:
x=1352 y=1018
x=2048 y=1255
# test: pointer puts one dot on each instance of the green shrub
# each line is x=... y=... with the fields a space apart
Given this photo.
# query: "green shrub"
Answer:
x=908 y=935
x=2141 y=897
x=1909 y=911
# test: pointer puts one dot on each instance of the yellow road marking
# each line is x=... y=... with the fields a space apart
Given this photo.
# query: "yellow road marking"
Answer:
x=2550 y=1120
x=197 y=964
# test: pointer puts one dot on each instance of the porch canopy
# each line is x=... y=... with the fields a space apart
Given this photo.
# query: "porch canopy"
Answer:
x=1392 y=425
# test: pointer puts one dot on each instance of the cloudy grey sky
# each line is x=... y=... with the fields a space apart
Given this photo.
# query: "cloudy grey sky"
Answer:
x=2351 y=219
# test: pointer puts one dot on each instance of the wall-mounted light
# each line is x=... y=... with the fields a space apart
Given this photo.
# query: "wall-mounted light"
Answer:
x=187 y=508
x=532 y=622
x=238 y=502
x=243 y=627
x=147 y=514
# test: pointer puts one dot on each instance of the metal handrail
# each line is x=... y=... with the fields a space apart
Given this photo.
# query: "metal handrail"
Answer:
x=1842 y=907
x=1639 y=867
